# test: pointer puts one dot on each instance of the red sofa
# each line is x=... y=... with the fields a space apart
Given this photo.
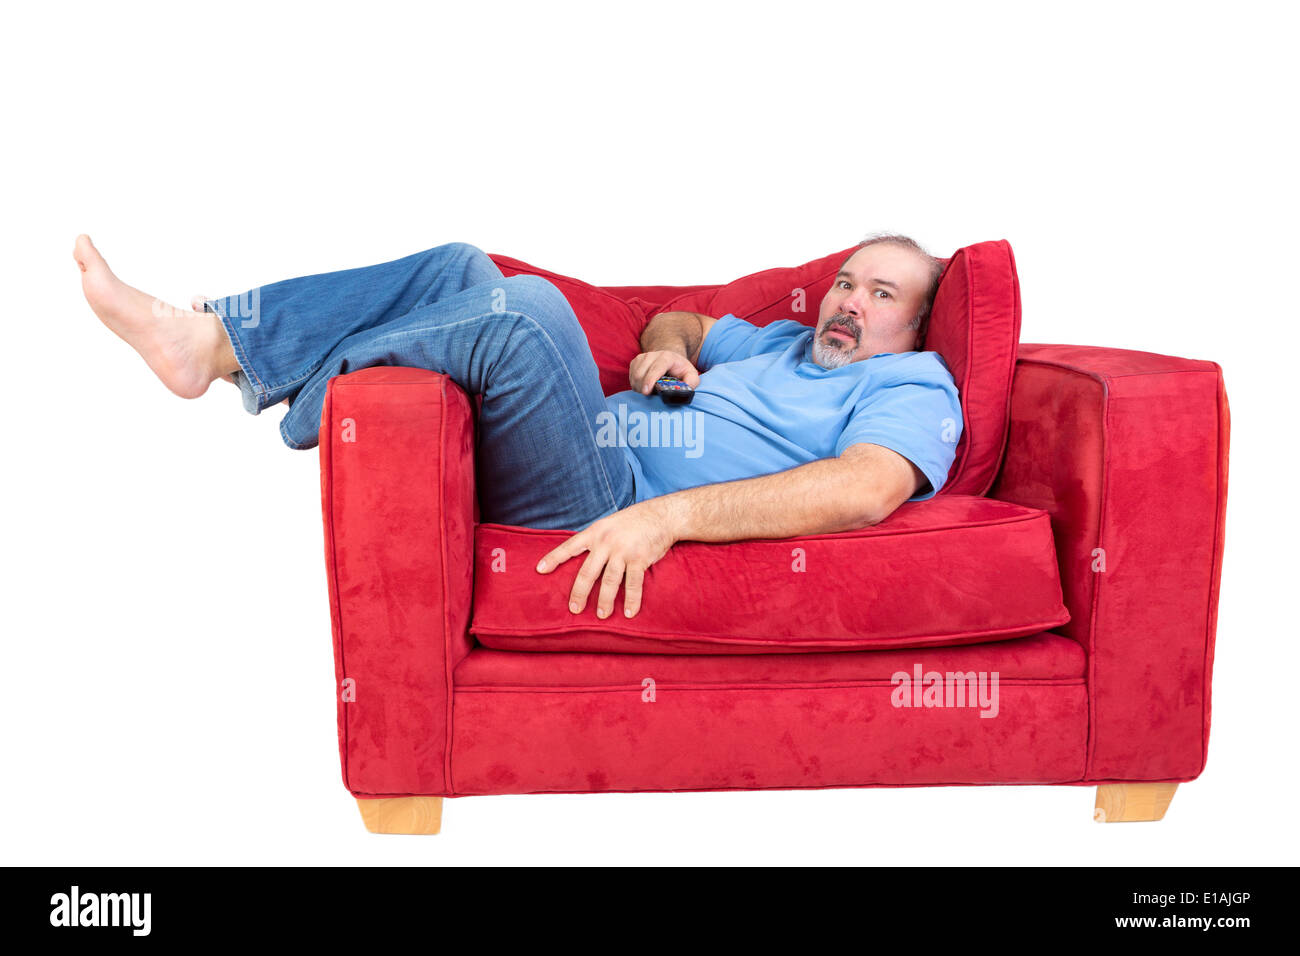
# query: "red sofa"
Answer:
x=1067 y=637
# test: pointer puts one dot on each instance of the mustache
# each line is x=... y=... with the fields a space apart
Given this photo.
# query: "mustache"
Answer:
x=843 y=322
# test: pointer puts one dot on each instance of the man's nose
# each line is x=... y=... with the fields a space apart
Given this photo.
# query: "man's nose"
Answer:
x=851 y=307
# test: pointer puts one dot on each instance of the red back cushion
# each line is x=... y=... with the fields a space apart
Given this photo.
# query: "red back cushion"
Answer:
x=974 y=326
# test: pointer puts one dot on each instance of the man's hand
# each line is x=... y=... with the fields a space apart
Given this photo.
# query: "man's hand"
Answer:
x=625 y=543
x=648 y=367
x=670 y=345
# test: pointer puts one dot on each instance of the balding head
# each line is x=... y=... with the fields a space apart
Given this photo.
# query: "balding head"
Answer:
x=879 y=302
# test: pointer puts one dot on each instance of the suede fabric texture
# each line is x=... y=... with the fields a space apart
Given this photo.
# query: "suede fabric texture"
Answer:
x=1128 y=452
x=952 y=570
x=747 y=736
x=397 y=487
x=1125 y=452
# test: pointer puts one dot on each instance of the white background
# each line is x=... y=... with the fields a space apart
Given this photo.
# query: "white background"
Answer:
x=167 y=671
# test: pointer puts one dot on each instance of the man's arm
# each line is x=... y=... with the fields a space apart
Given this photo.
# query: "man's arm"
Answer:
x=680 y=332
x=670 y=345
x=861 y=487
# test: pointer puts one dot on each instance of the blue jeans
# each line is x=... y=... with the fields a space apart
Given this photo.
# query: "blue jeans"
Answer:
x=514 y=341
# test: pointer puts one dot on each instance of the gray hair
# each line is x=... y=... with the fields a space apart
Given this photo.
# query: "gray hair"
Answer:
x=922 y=320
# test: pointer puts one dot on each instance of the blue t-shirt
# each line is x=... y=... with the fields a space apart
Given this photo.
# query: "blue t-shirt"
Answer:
x=763 y=405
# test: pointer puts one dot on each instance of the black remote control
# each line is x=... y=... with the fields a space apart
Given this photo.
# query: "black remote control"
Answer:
x=674 y=391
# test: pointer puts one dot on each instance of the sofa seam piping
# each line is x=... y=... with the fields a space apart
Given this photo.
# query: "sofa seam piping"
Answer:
x=448 y=782
x=1010 y=371
x=981 y=524
x=880 y=682
x=337 y=600
x=1216 y=565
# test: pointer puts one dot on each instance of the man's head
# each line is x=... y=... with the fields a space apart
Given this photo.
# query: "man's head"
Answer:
x=879 y=302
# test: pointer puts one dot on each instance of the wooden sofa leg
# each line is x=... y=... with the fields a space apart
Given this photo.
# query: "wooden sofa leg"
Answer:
x=402 y=814
x=1132 y=802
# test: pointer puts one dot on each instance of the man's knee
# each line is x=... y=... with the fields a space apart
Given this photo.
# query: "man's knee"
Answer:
x=538 y=299
x=457 y=252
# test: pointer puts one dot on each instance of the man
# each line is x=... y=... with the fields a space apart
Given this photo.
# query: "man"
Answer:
x=792 y=431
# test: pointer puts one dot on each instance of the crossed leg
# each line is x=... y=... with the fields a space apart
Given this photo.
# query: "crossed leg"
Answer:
x=514 y=341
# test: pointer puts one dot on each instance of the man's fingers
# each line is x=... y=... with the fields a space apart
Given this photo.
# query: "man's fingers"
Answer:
x=680 y=366
x=557 y=556
x=650 y=374
x=609 y=582
x=632 y=590
x=582 y=585
x=648 y=367
x=662 y=365
x=635 y=370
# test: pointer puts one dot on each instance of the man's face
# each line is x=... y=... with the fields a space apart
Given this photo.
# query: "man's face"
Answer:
x=870 y=305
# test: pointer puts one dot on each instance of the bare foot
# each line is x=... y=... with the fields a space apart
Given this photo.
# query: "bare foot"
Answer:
x=196 y=305
x=187 y=350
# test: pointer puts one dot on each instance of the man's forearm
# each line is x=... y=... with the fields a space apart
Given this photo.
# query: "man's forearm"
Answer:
x=861 y=487
x=680 y=332
x=820 y=497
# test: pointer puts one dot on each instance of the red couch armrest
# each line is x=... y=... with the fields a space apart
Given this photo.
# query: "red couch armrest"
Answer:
x=397 y=492
x=1128 y=452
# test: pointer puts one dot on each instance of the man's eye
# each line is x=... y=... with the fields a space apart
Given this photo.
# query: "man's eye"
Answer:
x=844 y=284
x=884 y=293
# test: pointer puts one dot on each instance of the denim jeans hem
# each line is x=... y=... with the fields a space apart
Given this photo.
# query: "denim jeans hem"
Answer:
x=293 y=443
x=251 y=391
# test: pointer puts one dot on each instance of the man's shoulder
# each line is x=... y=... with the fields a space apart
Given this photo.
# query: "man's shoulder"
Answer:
x=776 y=329
x=733 y=339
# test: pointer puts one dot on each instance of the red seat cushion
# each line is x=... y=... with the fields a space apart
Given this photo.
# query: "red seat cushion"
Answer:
x=974 y=326
x=952 y=570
